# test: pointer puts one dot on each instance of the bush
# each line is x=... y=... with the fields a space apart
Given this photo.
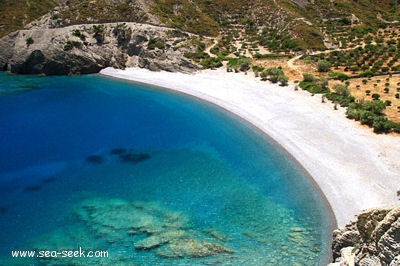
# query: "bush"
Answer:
x=323 y=66
x=257 y=69
x=283 y=80
x=98 y=33
x=244 y=64
x=370 y=113
x=69 y=45
x=308 y=77
x=382 y=125
x=341 y=90
x=339 y=76
x=211 y=62
x=366 y=74
x=29 y=41
x=155 y=43
x=375 y=96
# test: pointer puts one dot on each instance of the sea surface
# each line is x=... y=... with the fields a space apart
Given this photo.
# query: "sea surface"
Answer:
x=149 y=176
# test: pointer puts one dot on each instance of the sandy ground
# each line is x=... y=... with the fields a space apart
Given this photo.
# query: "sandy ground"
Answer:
x=354 y=168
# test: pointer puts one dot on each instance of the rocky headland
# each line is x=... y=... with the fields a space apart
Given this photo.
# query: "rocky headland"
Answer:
x=372 y=238
x=88 y=48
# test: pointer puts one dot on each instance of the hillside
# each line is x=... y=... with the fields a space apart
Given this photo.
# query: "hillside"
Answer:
x=15 y=14
x=298 y=24
x=355 y=39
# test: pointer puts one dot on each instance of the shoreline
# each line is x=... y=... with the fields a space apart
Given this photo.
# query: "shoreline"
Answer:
x=353 y=168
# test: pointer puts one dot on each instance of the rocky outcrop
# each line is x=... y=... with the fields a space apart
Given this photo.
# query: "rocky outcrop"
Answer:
x=372 y=238
x=83 y=49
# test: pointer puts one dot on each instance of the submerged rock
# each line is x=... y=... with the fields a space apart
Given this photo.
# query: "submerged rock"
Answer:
x=192 y=248
x=159 y=239
x=3 y=209
x=32 y=188
x=118 y=151
x=147 y=226
x=95 y=159
x=134 y=158
x=49 y=179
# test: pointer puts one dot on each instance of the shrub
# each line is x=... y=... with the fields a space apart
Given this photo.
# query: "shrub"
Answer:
x=339 y=76
x=211 y=62
x=257 y=69
x=341 y=90
x=323 y=66
x=386 y=90
x=382 y=125
x=308 y=77
x=29 y=41
x=244 y=64
x=283 y=80
x=367 y=73
x=98 y=33
x=69 y=45
x=375 y=96
x=376 y=106
x=155 y=43
x=77 y=33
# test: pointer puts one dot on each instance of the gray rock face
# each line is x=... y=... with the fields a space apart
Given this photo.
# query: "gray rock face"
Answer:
x=373 y=235
x=83 y=49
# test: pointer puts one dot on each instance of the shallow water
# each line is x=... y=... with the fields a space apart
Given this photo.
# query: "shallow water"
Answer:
x=152 y=177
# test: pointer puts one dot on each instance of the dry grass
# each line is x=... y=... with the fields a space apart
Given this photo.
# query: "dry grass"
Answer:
x=377 y=85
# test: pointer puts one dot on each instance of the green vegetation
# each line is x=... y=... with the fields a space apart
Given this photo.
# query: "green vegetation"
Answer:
x=29 y=41
x=155 y=43
x=15 y=14
x=371 y=113
x=98 y=33
x=314 y=85
x=274 y=74
x=69 y=45
x=101 y=11
x=239 y=64
x=123 y=34
x=211 y=62
x=323 y=66
x=77 y=33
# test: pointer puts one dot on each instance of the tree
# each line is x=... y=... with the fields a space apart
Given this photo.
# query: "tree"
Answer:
x=375 y=107
x=341 y=90
x=323 y=66
x=376 y=96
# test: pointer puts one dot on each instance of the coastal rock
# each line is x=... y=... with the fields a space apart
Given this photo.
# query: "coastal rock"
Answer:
x=84 y=49
x=373 y=238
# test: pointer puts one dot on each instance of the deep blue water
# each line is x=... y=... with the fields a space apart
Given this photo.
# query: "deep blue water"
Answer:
x=151 y=176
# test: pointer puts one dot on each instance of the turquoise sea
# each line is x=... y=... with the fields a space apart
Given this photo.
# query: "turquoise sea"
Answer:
x=150 y=176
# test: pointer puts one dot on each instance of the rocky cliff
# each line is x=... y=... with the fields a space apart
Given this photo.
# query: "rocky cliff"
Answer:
x=372 y=238
x=82 y=49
